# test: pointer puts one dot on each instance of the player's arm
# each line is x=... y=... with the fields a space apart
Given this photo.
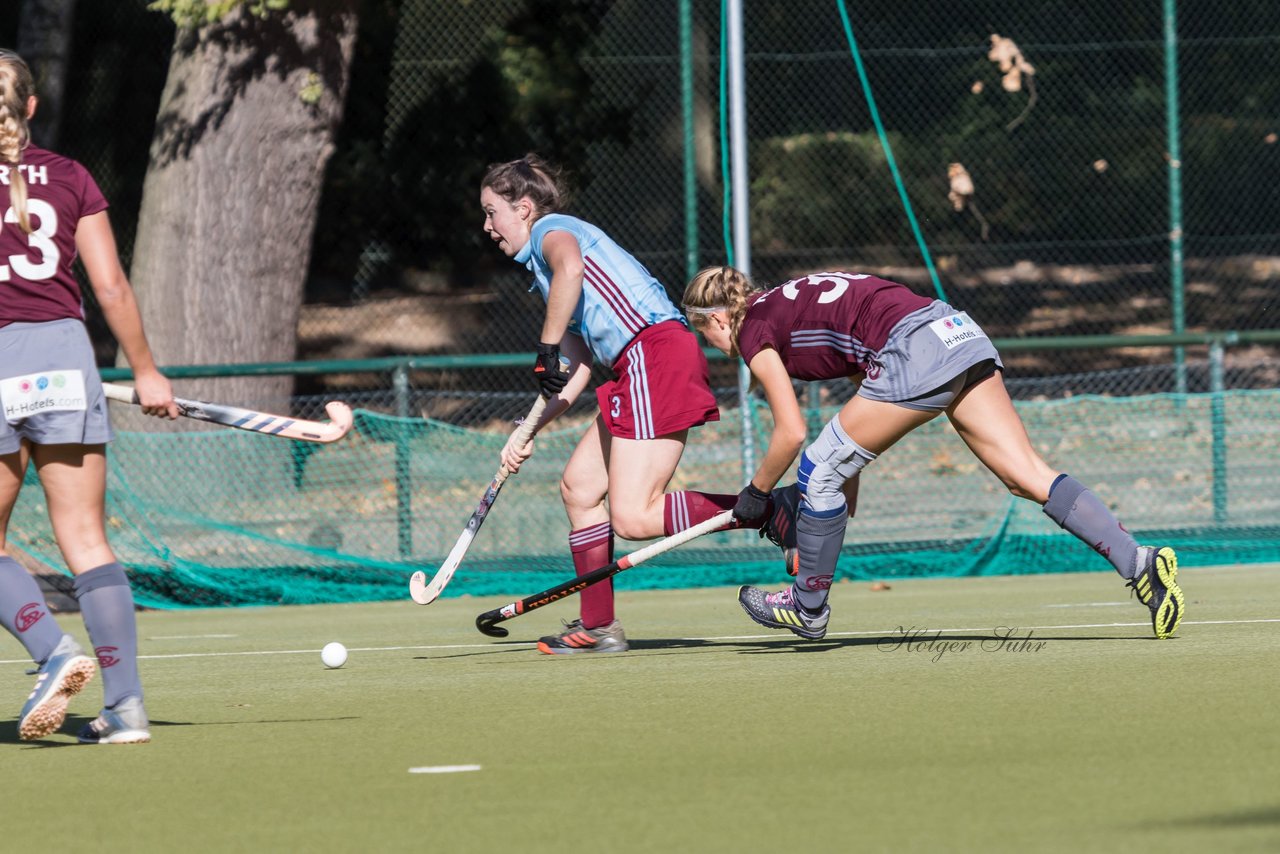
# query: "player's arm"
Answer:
x=96 y=245
x=560 y=248
x=576 y=351
x=789 y=428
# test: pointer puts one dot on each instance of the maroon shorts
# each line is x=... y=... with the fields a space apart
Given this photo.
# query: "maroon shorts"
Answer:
x=662 y=385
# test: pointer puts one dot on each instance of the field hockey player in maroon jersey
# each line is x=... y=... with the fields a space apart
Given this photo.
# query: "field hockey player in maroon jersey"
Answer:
x=55 y=414
x=915 y=358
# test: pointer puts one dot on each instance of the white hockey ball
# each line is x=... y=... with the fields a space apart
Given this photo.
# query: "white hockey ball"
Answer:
x=333 y=655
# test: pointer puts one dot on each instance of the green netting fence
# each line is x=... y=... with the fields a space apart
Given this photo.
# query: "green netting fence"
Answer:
x=205 y=517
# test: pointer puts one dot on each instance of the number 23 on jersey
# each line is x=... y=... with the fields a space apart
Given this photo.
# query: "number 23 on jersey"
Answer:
x=39 y=241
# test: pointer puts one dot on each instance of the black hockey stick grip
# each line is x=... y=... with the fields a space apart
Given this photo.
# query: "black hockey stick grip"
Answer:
x=487 y=623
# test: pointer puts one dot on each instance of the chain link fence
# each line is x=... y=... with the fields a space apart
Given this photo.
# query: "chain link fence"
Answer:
x=1033 y=142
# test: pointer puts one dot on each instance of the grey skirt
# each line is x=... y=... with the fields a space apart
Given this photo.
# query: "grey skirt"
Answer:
x=925 y=351
x=50 y=391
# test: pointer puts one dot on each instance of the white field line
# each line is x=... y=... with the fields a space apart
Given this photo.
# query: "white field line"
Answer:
x=888 y=633
x=443 y=769
x=1090 y=605
x=188 y=637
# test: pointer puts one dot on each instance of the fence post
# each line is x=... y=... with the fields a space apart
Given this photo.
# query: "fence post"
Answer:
x=1218 y=421
x=740 y=247
x=404 y=485
x=1173 y=132
x=687 y=120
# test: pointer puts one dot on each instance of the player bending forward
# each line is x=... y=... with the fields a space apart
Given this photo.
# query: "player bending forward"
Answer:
x=916 y=358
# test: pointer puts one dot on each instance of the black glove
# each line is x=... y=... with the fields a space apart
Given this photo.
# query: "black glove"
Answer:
x=547 y=371
x=752 y=507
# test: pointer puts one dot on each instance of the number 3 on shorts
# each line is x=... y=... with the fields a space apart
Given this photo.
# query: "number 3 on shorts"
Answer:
x=616 y=409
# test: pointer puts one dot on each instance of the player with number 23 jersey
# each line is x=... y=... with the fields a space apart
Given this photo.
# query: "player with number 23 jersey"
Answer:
x=54 y=415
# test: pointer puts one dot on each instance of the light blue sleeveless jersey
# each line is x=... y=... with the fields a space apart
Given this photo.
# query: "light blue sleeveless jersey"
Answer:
x=619 y=296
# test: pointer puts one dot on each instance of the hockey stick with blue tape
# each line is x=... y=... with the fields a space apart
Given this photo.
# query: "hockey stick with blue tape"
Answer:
x=251 y=419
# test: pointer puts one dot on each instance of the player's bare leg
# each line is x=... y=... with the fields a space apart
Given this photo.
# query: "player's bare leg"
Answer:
x=585 y=480
x=986 y=420
x=62 y=668
x=984 y=416
x=633 y=474
x=862 y=430
x=74 y=480
x=639 y=471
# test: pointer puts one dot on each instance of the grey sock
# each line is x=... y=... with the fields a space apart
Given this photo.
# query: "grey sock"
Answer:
x=1080 y=512
x=819 y=539
x=24 y=613
x=106 y=603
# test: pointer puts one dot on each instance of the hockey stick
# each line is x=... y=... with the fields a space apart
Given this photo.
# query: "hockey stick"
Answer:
x=252 y=420
x=487 y=622
x=424 y=593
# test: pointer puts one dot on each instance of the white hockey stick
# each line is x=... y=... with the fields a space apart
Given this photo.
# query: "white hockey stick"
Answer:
x=424 y=593
x=252 y=420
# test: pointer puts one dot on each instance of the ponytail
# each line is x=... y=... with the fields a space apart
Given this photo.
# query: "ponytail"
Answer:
x=16 y=89
x=529 y=176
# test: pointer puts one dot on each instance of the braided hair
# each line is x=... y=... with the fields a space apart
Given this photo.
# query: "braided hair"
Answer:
x=719 y=289
x=16 y=88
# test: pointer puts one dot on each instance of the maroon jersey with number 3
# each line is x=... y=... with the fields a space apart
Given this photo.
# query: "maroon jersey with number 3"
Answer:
x=827 y=325
x=36 y=281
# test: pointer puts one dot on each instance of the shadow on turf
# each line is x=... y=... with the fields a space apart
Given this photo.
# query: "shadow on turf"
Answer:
x=1261 y=817
x=796 y=644
x=74 y=723
x=675 y=646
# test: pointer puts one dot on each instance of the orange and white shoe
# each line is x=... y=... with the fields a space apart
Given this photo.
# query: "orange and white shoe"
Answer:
x=59 y=679
x=576 y=638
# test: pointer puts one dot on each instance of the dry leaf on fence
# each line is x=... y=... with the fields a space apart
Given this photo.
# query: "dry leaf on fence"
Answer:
x=961 y=194
x=1016 y=70
x=961 y=185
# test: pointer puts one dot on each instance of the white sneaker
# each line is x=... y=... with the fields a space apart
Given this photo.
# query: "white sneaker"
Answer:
x=125 y=724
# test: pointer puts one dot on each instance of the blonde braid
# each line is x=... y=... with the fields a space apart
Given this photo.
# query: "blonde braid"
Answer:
x=719 y=289
x=16 y=87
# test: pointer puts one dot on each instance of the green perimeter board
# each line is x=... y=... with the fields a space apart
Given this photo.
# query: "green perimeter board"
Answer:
x=712 y=735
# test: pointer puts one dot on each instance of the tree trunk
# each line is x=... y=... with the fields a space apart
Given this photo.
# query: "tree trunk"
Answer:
x=246 y=125
x=44 y=41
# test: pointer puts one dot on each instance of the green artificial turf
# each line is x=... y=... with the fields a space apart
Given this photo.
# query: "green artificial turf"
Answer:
x=1081 y=733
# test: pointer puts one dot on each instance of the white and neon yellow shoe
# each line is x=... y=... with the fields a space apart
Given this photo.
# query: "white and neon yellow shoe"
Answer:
x=1156 y=585
x=781 y=611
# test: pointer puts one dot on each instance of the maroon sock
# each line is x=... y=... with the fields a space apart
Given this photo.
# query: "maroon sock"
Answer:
x=686 y=508
x=592 y=548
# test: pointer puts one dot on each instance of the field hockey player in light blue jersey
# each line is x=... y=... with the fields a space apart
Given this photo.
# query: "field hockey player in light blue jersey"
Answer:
x=914 y=359
x=55 y=416
x=603 y=304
